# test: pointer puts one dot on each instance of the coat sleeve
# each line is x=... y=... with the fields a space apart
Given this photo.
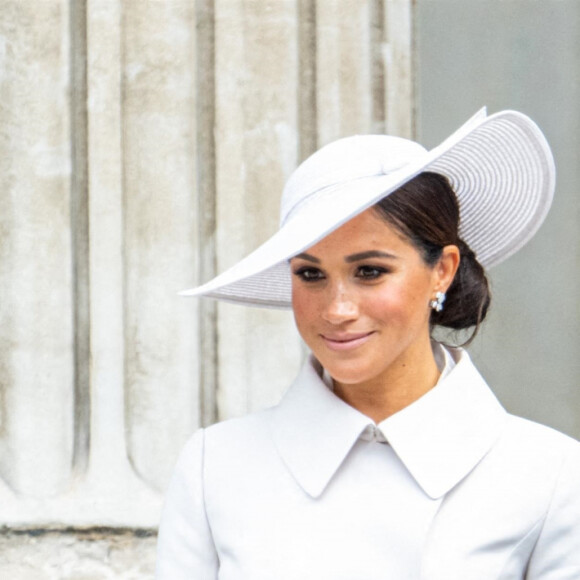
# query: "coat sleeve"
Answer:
x=185 y=548
x=556 y=555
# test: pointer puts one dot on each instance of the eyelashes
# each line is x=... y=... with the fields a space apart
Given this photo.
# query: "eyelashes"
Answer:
x=308 y=274
x=363 y=272
x=371 y=272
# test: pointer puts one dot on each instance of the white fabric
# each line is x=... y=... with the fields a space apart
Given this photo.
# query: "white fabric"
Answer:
x=306 y=491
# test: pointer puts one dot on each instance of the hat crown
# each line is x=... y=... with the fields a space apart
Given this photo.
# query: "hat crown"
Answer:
x=346 y=160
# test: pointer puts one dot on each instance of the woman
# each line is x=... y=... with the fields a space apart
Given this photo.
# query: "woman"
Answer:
x=388 y=457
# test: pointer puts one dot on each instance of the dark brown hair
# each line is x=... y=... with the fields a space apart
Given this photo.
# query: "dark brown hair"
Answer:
x=425 y=210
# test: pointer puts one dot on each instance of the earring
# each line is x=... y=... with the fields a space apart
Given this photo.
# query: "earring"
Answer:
x=437 y=303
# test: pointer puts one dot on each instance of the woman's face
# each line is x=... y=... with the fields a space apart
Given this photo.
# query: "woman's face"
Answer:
x=361 y=300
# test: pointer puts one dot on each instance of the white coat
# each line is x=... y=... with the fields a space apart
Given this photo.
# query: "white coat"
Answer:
x=450 y=488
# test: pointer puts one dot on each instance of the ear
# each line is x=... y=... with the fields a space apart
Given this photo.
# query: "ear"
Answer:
x=446 y=268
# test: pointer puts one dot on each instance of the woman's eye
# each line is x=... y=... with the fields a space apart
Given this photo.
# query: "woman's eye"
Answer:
x=309 y=274
x=370 y=272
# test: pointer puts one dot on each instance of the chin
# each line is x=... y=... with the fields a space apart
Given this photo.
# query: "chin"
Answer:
x=348 y=376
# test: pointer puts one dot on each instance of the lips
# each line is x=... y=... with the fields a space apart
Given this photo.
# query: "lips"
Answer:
x=341 y=342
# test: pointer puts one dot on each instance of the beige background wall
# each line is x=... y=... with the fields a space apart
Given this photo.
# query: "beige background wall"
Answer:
x=523 y=55
x=143 y=146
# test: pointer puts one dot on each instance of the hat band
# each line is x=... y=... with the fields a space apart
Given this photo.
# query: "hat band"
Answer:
x=321 y=194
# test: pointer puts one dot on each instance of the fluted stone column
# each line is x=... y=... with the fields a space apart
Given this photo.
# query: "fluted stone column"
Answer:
x=144 y=145
x=36 y=332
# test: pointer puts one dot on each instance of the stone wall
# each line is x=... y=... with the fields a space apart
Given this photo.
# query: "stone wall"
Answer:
x=143 y=147
x=66 y=554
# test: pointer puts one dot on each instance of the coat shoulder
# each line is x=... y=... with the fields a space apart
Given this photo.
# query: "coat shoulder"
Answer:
x=530 y=448
x=236 y=440
x=539 y=439
x=239 y=428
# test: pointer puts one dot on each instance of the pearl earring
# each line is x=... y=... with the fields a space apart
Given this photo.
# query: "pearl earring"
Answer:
x=437 y=303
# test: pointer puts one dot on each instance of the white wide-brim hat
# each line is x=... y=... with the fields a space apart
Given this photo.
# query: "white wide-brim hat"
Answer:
x=500 y=167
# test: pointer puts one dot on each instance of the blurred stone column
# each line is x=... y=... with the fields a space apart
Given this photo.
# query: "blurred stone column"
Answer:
x=257 y=60
x=144 y=145
x=36 y=253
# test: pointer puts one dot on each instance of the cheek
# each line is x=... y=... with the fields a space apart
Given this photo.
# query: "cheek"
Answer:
x=399 y=303
x=302 y=306
x=390 y=298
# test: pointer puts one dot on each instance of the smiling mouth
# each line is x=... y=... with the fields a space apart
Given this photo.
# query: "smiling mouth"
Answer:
x=349 y=342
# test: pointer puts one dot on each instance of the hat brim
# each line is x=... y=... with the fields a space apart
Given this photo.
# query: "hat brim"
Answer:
x=500 y=167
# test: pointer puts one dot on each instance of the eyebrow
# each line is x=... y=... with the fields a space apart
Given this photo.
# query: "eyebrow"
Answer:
x=369 y=254
x=308 y=257
x=352 y=257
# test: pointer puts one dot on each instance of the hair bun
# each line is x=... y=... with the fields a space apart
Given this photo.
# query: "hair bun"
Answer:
x=468 y=297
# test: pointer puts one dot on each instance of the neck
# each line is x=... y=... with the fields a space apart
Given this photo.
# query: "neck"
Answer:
x=400 y=385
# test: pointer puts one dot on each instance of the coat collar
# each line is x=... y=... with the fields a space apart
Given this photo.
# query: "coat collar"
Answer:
x=440 y=437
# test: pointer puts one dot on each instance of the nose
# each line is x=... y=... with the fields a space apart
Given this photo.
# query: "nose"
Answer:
x=341 y=305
